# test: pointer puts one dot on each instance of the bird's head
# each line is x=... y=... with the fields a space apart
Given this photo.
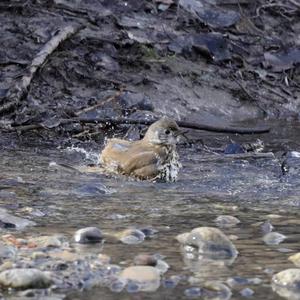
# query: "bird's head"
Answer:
x=165 y=131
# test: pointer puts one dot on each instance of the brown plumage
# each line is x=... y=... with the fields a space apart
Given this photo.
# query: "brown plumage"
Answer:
x=154 y=157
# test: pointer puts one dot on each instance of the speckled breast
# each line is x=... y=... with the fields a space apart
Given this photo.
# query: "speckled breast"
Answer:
x=170 y=169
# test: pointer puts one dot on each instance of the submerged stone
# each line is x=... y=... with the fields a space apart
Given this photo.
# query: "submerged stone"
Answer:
x=295 y=258
x=209 y=241
x=131 y=236
x=226 y=221
x=25 y=278
x=88 y=235
x=273 y=238
x=287 y=283
x=147 y=278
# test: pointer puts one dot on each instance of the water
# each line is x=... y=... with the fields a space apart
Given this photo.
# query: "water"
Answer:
x=61 y=200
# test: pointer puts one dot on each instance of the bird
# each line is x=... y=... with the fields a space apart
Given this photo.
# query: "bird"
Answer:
x=152 y=158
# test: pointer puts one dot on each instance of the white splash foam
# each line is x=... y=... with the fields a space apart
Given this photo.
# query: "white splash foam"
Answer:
x=89 y=155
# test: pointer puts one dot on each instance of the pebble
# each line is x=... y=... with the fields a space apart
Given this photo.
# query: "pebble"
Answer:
x=210 y=241
x=13 y=221
x=65 y=255
x=145 y=260
x=193 y=292
x=226 y=221
x=287 y=283
x=46 y=241
x=236 y=281
x=289 y=278
x=266 y=227
x=104 y=259
x=295 y=258
x=146 y=277
x=246 y=292
x=25 y=278
x=273 y=238
x=216 y=290
x=131 y=236
x=88 y=235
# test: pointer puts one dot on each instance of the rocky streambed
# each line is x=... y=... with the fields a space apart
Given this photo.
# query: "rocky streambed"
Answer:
x=228 y=229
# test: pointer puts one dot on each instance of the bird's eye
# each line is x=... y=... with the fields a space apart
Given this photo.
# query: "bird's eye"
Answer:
x=167 y=131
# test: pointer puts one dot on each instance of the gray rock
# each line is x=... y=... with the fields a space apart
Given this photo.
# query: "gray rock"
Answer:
x=287 y=283
x=88 y=235
x=131 y=236
x=13 y=221
x=25 y=278
x=145 y=277
x=227 y=221
x=246 y=292
x=210 y=242
x=273 y=238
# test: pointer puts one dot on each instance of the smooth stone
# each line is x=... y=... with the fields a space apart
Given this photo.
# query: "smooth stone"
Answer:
x=39 y=254
x=266 y=227
x=273 y=238
x=145 y=260
x=146 y=277
x=295 y=259
x=237 y=281
x=227 y=221
x=287 y=283
x=246 y=292
x=210 y=241
x=16 y=222
x=172 y=281
x=6 y=265
x=193 y=292
x=216 y=290
x=25 y=278
x=131 y=236
x=88 y=235
x=289 y=278
x=46 y=241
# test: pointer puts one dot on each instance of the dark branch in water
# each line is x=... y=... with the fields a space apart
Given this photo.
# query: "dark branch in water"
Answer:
x=20 y=89
x=123 y=120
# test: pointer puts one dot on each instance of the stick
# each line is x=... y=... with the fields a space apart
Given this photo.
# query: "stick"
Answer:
x=107 y=100
x=20 y=90
x=123 y=120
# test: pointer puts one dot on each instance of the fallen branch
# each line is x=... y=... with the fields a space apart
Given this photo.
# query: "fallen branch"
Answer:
x=123 y=120
x=100 y=104
x=20 y=89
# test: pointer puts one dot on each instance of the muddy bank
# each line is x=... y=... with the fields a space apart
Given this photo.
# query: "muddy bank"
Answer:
x=144 y=57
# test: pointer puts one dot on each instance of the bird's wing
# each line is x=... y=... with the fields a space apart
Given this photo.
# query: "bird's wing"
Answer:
x=140 y=160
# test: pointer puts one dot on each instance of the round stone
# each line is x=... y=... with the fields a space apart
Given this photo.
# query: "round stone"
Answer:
x=25 y=278
x=273 y=238
x=227 y=221
x=145 y=260
x=295 y=258
x=88 y=235
x=209 y=241
x=131 y=236
x=146 y=277
x=287 y=283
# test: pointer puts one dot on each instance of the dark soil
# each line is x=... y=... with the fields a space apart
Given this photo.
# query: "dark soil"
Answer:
x=214 y=62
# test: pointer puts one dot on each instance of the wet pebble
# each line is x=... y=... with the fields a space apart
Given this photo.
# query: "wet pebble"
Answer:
x=209 y=241
x=13 y=221
x=171 y=282
x=273 y=238
x=287 y=283
x=25 y=278
x=88 y=235
x=131 y=236
x=295 y=258
x=266 y=227
x=227 y=221
x=216 y=290
x=46 y=241
x=246 y=292
x=237 y=281
x=147 y=278
x=193 y=292
x=145 y=260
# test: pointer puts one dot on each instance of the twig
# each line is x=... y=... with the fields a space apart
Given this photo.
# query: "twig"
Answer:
x=122 y=121
x=20 y=89
x=109 y=99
